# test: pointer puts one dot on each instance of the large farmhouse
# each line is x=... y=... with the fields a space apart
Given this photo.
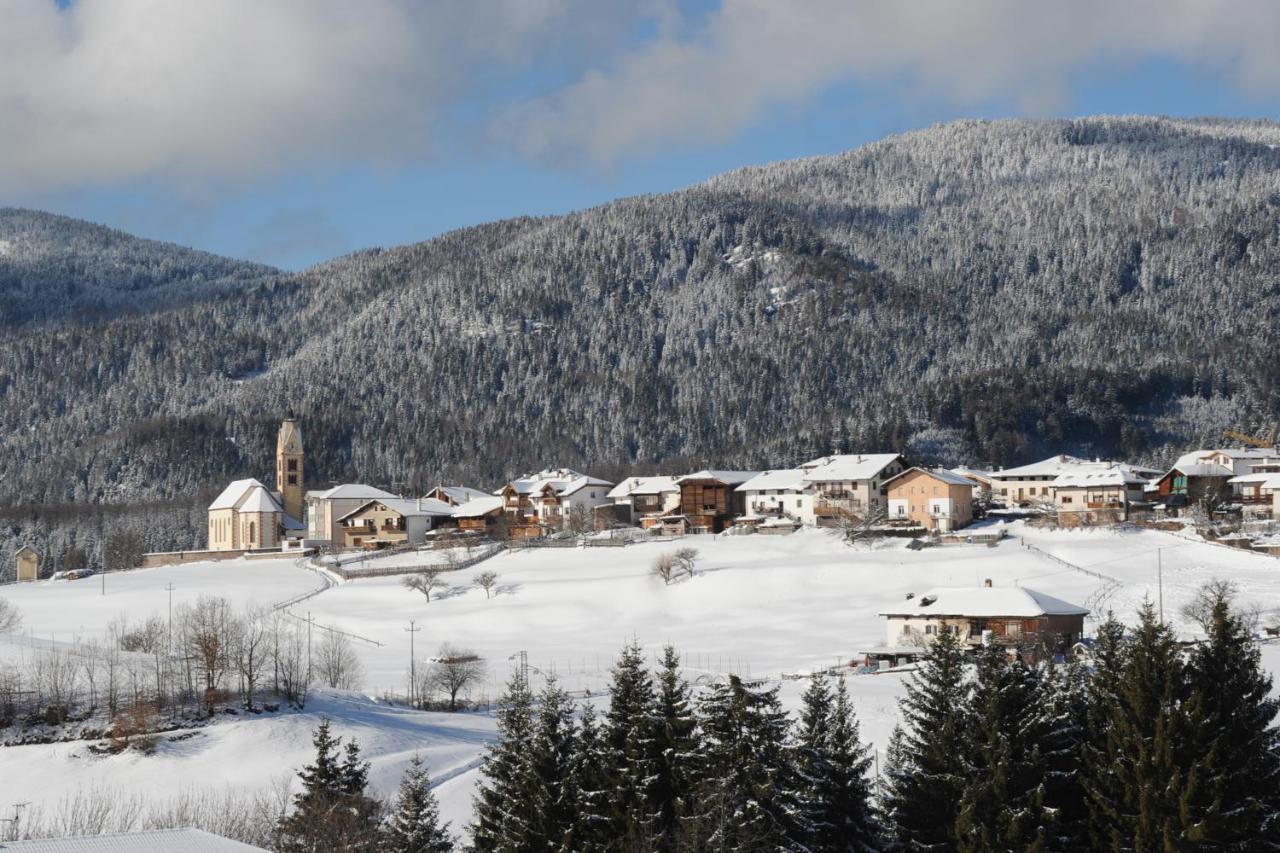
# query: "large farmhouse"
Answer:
x=1009 y=616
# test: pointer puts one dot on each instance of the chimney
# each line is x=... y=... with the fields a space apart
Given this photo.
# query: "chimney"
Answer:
x=987 y=583
x=419 y=503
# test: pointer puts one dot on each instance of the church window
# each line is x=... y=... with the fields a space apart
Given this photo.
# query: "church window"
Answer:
x=292 y=465
x=251 y=531
x=293 y=479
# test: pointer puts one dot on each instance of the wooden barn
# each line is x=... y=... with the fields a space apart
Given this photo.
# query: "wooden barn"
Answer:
x=709 y=500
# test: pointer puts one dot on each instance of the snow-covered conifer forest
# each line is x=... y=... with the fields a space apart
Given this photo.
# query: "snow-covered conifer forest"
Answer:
x=978 y=292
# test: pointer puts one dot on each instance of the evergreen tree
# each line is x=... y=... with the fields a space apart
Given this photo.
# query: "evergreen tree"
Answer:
x=630 y=738
x=675 y=750
x=1002 y=807
x=1138 y=769
x=506 y=807
x=926 y=773
x=590 y=787
x=414 y=825
x=1234 y=803
x=833 y=791
x=1061 y=707
x=552 y=761
x=744 y=798
x=331 y=813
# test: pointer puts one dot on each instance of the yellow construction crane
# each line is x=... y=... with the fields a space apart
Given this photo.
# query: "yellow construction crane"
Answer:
x=1263 y=440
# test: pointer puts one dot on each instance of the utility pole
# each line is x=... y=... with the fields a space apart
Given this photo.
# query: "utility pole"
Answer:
x=310 y=622
x=413 y=662
x=169 y=587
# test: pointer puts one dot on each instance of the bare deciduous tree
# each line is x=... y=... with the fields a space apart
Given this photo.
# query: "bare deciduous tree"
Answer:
x=853 y=527
x=424 y=582
x=337 y=664
x=251 y=651
x=686 y=559
x=664 y=566
x=10 y=618
x=486 y=580
x=453 y=670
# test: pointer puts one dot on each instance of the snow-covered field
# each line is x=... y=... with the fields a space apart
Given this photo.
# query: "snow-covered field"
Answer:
x=761 y=606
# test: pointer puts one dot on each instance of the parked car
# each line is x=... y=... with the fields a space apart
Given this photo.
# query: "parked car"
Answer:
x=77 y=574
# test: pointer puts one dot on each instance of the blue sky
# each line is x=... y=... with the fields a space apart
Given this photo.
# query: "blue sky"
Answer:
x=294 y=137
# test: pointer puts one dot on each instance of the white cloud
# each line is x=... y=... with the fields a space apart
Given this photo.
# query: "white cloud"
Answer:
x=707 y=83
x=222 y=91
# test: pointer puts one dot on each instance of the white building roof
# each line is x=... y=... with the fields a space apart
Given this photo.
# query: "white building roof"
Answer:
x=462 y=494
x=477 y=507
x=1203 y=469
x=643 y=486
x=582 y=483
x=785 y=479
x=972 y=473
x=1120 y=475
x=407 y=507
x=258 y=499
x=563 y=481
x=231 y=495
x=729 y=478
x=847 y=467
x=351 y=491
x=942 y=474
x=154 y=841
x=985 y=602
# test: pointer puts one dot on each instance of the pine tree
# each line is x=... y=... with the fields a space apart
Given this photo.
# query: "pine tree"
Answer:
x=414 y=825
x=675 y=749
x=1002 y=807
x=331 y=813
x=744 y=799
x=629 y=734
x=590 y=787
x=505 y=804
x=1234 y=801
x=925 y=778
x=835 y=814
x=552 y=759
x=1061 y=707
x=1138 y=769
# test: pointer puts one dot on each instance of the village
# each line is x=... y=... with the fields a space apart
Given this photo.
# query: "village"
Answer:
x=1229 y=495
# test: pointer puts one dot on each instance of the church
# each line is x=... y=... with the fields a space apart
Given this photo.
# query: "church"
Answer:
x=247 y=516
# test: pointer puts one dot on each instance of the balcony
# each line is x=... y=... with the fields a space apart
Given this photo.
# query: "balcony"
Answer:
x=359 y=530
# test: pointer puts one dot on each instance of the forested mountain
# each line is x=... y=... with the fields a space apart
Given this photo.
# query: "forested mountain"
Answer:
x=981 y=292
x=55 y=268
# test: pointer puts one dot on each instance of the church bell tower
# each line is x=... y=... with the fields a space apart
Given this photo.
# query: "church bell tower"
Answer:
x=289 y=470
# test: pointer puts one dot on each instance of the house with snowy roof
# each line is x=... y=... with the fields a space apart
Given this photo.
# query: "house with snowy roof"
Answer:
x=478 y=515
x=1258 y=492
x=326 y=509
x=780 y=494
x=455 y=495
x=545 y=501
x=1009 y=616
x=934 y=498
x=1099 y=495
x=1035 y=483
x=710 y=501
x=644 y=501
x=387 y=522
x=1201 y=475
x=851 y=484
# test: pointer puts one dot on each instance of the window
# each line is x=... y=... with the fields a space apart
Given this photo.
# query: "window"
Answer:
x=1013 y=629
x=292 y=465
x=293 y=479
x=252 y=530
x=1066 y=499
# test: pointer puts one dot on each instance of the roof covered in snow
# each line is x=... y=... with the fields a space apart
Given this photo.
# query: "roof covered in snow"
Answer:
x=231 y=495
x=985 y=602
x=973 y=473
x=154 y=841
x=1120 y=475
x=477 y=507
x=351 y=491
x=644 y=486
x=850 y=466
x=786 y=479
x=562 y=481
x=461 y=494
x=407 y=507
x=942 y=474
x=1202 y=469
x=729 y=478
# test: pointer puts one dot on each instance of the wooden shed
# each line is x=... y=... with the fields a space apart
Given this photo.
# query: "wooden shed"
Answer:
x=28 y=564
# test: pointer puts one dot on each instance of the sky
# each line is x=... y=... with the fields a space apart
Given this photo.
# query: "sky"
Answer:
x=292 y=131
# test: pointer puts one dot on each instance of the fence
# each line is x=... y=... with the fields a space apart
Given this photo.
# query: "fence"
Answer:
x=411 y=569
x=1099 y=596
